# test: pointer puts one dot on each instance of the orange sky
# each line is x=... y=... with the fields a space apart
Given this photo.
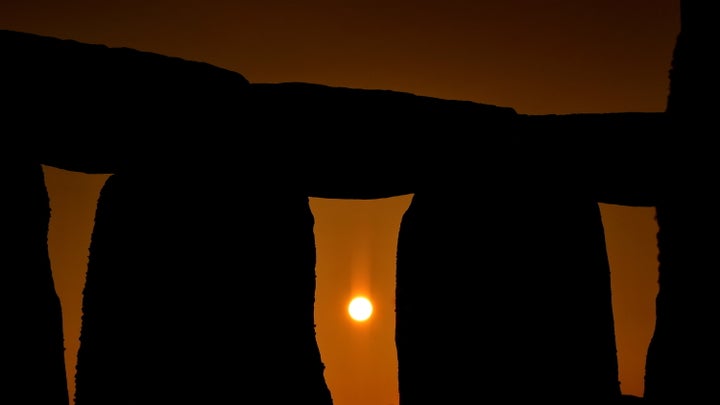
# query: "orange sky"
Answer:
x=540 y=57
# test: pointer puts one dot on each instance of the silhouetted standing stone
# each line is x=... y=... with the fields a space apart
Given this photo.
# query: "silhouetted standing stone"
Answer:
x=503 y=285
x=200 y=290
x=32 y=334
x=684 y=351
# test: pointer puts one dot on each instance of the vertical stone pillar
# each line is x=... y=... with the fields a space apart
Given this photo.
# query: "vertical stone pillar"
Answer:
x=200 y=289
x=33 y=362
x=503 y=283
x=684 y=346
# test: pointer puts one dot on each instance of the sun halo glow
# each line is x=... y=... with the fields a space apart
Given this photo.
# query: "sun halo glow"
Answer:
x=360 y=309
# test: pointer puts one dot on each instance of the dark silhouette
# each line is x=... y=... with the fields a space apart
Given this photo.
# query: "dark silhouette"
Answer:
x=523 y=304
x=33 y=361
x=211 y=175
x=200 y=289
x=523 y=257
x=685 y=341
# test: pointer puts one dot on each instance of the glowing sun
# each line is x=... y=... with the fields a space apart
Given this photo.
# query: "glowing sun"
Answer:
x=360 y=309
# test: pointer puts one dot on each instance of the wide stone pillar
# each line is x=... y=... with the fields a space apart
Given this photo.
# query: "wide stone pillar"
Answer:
x=200 y=290
x=503 y=286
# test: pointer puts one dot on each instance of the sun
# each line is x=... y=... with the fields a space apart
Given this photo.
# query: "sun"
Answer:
x=360 y=309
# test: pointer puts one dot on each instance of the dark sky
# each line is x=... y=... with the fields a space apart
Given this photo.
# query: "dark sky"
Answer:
x=539 y=57
x=552 y=56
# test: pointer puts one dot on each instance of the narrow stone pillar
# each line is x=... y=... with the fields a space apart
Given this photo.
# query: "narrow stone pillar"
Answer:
x=684 y=348
x=33 y=362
